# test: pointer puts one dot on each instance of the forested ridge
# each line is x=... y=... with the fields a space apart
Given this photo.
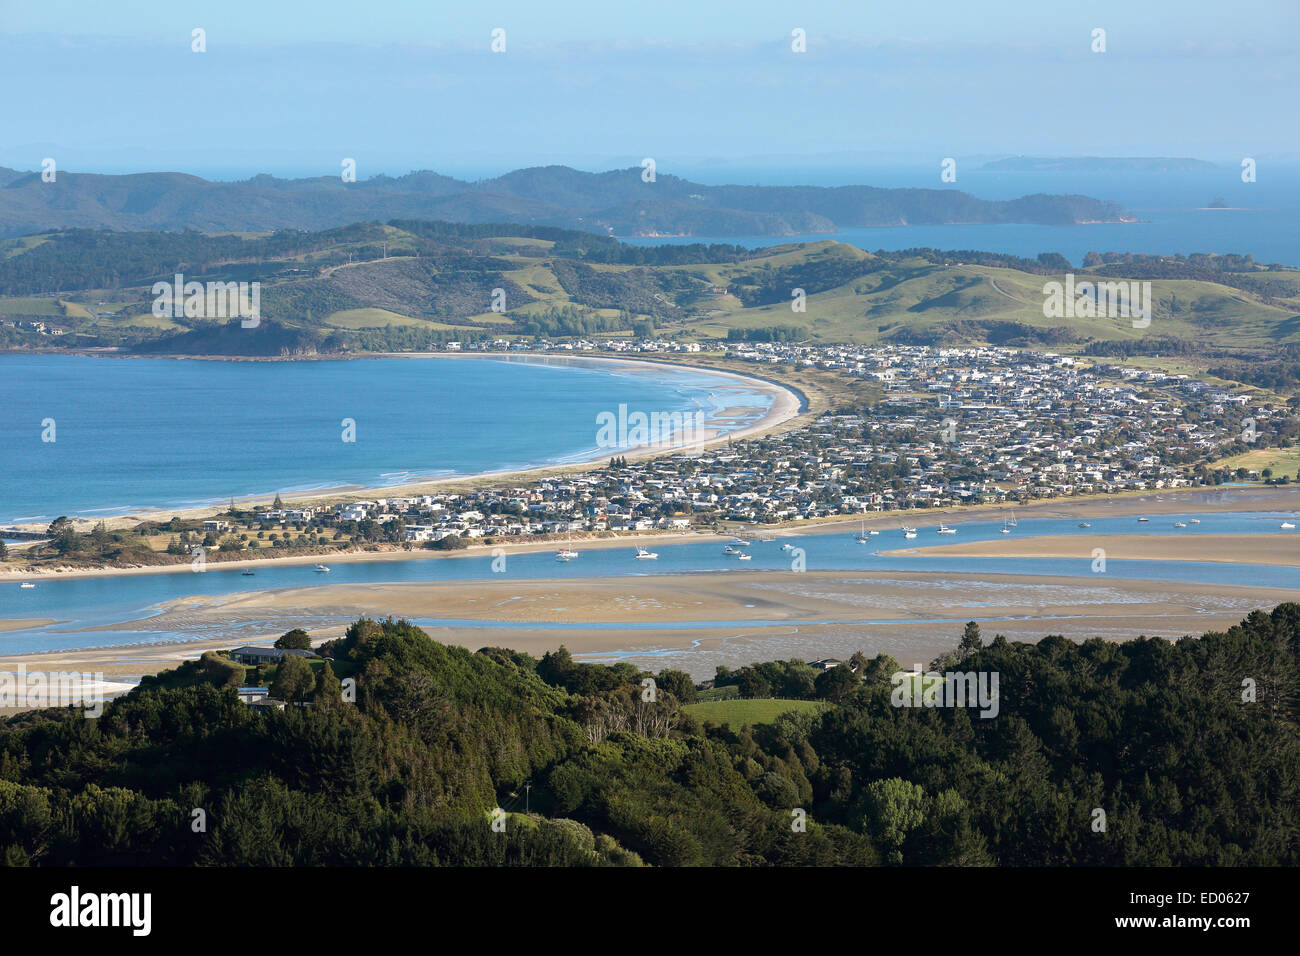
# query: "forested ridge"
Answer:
x=1188 y=766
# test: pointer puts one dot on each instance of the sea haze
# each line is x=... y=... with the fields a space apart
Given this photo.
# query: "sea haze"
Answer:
x=167 y=433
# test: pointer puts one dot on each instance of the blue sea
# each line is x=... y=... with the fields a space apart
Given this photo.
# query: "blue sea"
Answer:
x=133 y=434
x=1171 y=208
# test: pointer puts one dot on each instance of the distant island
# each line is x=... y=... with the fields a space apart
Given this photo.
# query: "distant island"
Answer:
x=1097 y=164
x=618 y=202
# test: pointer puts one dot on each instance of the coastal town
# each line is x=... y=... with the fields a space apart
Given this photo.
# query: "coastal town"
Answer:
x=925 y=428
x=937 y=428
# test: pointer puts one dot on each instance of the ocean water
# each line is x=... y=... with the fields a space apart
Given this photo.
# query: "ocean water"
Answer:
x=158 y=433
x=1170 y=207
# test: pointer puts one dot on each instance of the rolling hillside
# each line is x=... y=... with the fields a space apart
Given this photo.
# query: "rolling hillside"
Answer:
x=415 y=284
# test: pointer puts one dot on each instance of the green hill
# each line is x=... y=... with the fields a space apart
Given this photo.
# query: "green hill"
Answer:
x=404 y=751
x=414 y=284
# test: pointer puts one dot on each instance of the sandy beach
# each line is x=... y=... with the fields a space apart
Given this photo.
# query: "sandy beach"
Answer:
x=697 y=622
x=1281 y=548
x=18 y=625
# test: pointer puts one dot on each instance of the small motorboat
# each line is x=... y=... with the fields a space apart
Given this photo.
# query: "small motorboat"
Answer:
x=741 y=556
x=944 y=529
x=787 y=547
x=1085 y=524
x=1180 y=524
x=26 y=585
x=909 y=534
x=643 y=555
x=1140 y=520
x=1194 y=520
x=740 y=541
x=1287 y=525
x=249 y=574
x=728 y=549
x=321 y=569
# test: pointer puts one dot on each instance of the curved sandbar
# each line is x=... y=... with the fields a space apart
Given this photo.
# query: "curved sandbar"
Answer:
x=1280 y=548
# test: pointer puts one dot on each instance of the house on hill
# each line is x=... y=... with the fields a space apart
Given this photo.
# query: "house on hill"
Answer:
x=248 y=654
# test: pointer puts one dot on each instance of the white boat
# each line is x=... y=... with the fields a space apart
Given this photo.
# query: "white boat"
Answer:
x=765 y=540
x=1085 y=524
x=861 y=536
x=1144 y=519
x=321 y=569
x=873 y=532
x=26 y=584
x=944 y=529
x=1288 y=525
x=728 y=549
x=740 y=541
x=1180 y=524
x=1005 y=529
x=643 y=555
x=566 y=553
x=1194 y=520
x=741 y=556
x=787 y=547
x=909 y=534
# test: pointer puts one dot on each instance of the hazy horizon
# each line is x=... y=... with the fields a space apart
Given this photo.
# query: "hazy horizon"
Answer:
x=411 y=87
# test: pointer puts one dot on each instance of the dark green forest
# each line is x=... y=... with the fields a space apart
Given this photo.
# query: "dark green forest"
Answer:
x=1188 y=766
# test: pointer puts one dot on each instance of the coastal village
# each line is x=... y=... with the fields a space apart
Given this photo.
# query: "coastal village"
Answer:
x=917 y=427
x=947 y=427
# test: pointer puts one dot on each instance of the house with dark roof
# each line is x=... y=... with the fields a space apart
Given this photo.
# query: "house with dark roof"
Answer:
x=248 y=654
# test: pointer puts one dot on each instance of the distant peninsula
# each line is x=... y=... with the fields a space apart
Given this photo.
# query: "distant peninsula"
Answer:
x=1096 y=164
x=618 y=202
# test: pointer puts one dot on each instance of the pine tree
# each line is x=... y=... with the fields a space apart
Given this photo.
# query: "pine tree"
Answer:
x=328 y=688
x=970 y=640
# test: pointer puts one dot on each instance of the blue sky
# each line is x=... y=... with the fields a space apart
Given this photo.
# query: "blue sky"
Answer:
x=293 y=87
